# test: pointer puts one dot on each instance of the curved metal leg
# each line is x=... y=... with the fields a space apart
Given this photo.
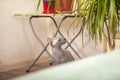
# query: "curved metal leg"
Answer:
x=82 y=27
x=58 y=30
x=45 y=47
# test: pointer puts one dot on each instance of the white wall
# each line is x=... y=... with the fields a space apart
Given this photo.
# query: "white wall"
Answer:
x=17 y=42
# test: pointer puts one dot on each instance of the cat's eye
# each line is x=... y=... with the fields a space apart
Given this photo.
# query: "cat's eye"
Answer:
x=59 y=40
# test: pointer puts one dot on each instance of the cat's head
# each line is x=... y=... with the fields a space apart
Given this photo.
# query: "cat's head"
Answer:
x=56 y=42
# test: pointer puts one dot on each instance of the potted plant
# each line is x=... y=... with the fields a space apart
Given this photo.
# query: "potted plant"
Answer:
x=53 y=6
x=100 y=15
x=48 y=6
x=65 y=6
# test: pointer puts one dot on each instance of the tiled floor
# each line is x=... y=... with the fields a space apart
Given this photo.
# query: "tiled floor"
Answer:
x=22 y=71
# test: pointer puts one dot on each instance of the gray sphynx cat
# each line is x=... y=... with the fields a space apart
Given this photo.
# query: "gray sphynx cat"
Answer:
x=60 y=55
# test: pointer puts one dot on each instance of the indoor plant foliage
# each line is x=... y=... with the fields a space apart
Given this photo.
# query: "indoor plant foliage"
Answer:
x=100 y=15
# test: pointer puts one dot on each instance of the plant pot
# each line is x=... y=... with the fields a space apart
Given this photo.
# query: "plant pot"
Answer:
x=48 y=9
x=64 y=6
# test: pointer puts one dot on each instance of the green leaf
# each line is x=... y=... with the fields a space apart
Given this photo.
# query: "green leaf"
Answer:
x=112 y=16
x=56 y=6
x=38 y=4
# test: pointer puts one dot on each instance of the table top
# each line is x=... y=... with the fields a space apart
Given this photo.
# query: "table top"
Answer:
x=44 y=14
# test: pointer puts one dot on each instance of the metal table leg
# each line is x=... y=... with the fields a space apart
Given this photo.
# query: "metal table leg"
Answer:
x=57 y=31
x=45 y=47
x=69 y=44
x=82 y=27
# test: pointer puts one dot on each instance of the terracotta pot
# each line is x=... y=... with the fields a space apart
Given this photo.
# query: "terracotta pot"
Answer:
x=64 y=5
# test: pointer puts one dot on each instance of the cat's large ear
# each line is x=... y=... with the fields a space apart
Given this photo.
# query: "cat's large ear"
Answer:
x=49 y=40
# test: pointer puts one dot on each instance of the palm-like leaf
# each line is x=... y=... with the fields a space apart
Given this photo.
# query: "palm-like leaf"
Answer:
x=98 y=12
x=38 y=4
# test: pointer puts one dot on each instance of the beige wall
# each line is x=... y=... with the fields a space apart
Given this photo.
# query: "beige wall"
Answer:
x=17 y=42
